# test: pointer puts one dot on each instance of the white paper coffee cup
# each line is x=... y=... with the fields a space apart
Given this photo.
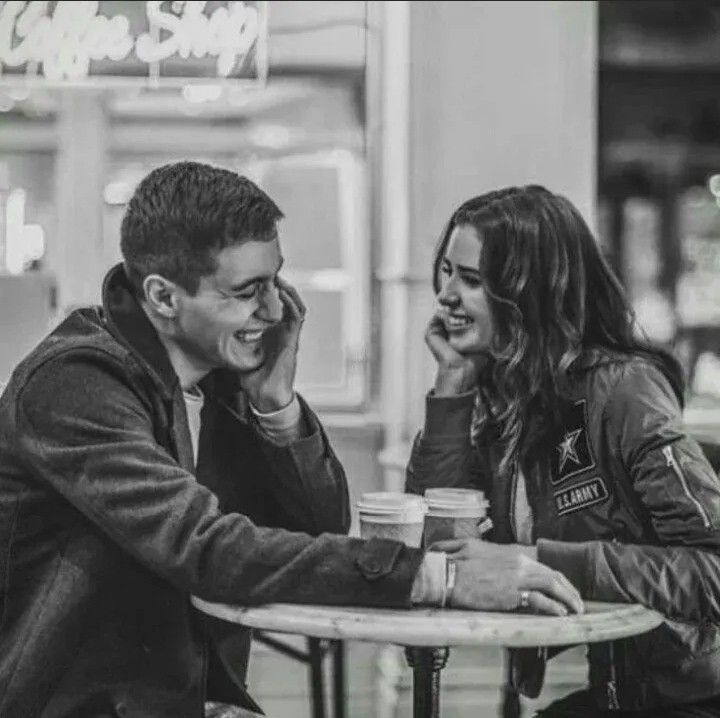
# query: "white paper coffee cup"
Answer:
x=392 y=515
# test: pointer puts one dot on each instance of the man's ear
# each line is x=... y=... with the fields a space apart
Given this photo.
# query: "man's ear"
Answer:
x=161 y=295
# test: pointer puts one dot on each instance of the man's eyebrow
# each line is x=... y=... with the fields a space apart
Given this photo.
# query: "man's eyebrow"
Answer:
x=258 y=278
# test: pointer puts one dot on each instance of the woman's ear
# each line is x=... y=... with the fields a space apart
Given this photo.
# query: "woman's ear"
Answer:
x=160 y=296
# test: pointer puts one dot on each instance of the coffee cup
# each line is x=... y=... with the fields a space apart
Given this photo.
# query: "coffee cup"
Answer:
x=392 y=515
x=454 y=513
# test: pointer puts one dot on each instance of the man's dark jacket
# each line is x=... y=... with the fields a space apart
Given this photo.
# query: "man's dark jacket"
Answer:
x=628 y=509
x=107 y=528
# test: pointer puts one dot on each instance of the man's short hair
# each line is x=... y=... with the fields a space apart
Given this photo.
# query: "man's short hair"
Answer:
x=181 y=215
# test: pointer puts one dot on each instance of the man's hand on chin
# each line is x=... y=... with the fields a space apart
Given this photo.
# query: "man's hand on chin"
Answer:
x=270 y=387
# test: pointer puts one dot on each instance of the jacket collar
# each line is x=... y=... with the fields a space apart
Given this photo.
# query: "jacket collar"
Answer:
x=127 y=321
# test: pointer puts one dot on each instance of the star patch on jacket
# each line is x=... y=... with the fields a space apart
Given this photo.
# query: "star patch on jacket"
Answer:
x=573 y=450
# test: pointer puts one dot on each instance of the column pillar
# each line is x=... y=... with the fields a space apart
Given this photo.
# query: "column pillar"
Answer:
x=478 y=95
x=75 y=252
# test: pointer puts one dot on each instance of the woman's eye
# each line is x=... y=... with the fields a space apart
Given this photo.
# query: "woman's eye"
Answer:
x=472 y=280
x=445 y=269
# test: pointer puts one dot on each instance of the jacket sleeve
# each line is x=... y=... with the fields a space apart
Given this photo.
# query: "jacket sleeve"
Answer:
x=308 y=482
x=84 y=431
x=442 y=453
x=680 y=492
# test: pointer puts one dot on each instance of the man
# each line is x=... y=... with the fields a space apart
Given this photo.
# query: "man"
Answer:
x=154 y=448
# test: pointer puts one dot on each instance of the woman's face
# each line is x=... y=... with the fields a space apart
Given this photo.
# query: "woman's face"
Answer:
x=463 y=303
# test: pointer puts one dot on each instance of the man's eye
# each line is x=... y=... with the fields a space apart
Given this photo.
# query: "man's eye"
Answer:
x=248 y=293
x=445 y=268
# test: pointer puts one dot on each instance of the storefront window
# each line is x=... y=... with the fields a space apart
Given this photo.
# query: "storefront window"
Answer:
x=659 y=183
x=72 y=159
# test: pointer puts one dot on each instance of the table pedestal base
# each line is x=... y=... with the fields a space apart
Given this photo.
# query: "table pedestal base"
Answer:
x=426 y=662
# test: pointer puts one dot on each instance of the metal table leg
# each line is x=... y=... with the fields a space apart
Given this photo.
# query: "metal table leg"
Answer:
x=510 y=705
x=339 y=697
x=426 y=662
x=317 y=689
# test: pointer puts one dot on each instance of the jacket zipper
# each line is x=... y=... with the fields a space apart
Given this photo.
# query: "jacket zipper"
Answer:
x=612 y=696
x=672 y=463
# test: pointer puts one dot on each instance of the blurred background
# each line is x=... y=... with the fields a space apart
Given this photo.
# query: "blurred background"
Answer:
x=369 y=122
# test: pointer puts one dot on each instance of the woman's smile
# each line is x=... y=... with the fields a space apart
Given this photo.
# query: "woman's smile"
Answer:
x=456 y=322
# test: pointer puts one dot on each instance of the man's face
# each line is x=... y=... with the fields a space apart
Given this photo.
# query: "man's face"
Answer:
x=223 y=324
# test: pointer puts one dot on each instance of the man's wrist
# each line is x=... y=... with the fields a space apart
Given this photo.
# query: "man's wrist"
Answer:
x=282 y=426
x=271 y=404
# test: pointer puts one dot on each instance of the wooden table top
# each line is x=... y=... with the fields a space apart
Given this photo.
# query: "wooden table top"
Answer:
x=442 y=627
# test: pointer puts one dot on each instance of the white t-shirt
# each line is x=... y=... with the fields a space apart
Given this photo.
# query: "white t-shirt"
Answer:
x=194 y=400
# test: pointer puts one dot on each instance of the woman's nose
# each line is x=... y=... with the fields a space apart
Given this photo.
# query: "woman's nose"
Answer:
x=448 y=295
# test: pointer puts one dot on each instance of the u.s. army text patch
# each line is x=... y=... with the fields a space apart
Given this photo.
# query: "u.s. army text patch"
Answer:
x=576 y=498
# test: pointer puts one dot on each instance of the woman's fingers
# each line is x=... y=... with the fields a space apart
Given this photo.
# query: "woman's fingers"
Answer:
x=436 y=339
x=539 y=603
x=555 y=586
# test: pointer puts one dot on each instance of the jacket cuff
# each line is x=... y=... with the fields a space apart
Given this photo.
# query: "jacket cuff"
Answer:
x=282 y=426
x=573 y=560
x=309 y=436
x=390 y=569
x=448 y=415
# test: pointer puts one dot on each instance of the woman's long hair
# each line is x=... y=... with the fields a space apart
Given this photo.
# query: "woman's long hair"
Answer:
x=552 y=298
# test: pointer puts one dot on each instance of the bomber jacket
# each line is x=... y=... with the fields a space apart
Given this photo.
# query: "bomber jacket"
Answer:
x=107 y=527
x=628 y=510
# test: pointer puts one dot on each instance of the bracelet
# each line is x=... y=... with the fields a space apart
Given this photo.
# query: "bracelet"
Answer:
x=443 y=599
x=450 y=574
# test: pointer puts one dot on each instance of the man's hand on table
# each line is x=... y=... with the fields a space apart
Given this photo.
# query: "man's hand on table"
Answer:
x=496 y=577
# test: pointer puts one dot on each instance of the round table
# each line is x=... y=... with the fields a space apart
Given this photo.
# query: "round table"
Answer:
x=427 y=632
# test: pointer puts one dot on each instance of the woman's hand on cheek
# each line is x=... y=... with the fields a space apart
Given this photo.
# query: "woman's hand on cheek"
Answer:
x=456 y=373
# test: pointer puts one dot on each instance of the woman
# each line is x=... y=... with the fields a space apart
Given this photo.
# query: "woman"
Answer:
x=546 y=399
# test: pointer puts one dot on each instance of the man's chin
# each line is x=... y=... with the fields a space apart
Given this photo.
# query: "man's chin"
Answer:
x=247 y=364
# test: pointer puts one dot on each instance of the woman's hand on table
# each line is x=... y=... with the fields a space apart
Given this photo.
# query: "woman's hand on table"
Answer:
x=505 y=577
x=456 y=373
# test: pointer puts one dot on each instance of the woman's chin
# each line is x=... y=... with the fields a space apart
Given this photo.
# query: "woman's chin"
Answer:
x=467 y=345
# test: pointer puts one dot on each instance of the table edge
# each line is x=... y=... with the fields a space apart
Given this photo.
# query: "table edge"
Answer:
x=571 y=633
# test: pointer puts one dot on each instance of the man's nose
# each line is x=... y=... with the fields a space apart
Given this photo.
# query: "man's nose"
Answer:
x=271 y=307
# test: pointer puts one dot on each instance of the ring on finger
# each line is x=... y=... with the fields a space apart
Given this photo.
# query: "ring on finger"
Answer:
x=524 y=601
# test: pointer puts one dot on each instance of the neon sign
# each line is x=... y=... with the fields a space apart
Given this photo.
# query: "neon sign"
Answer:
x=69 y=42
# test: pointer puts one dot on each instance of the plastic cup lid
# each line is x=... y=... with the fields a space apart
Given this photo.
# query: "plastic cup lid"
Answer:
x=455 y=494
x=456 y=510
x=406 y=507
x=390 y=500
